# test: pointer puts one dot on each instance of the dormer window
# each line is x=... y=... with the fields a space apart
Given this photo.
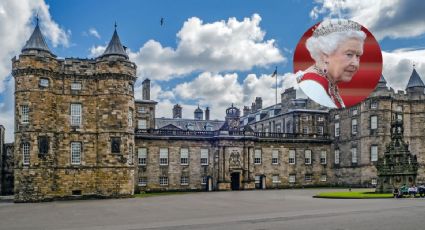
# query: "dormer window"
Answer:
x=76 y=85
x=271 y=113
x=44 y=82
x=190 y=126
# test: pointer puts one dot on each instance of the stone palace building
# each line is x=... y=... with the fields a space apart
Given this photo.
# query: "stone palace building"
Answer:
x=79 y=132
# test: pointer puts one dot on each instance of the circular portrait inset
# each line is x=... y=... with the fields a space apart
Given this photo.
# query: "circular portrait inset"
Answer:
x=338 y=63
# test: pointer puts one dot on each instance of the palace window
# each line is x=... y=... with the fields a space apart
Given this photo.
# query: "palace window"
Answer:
x=26 y=153
x=305 y=130
x=336 y=117
x=337 y=130
x=307 y=177
x=130 y=154
x=25 y=114
x=337 y=156
x=142 y=155
x=373 y=104
x=204 y=156
x=163 y=156
x=374 y=181
x=184 y=180
x=323 y=178
x=142 y=109
x=143 y=181
x=184 y=156
x=354 y=126
x=323 y=157
x=320 y=130
x=373 y=122
x=354 y=111
x=291 y=157
x=163 y=181
x=130 y=117
x=275 y=157
x=374 y=153
x=257 y=179
x=257 y=157
x=75 y=153
x=43 y=145
x=292 y=178
x=75 y=114
x=320 y=119
x=44 y=82
x=204 y=180
x=354 y=155
x=141 y=124
x=76 y=85
x=276 y=179
x=115 y=145
x=307 y=157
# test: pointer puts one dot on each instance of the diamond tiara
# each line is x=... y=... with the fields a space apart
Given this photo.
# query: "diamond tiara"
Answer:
x=335 y=25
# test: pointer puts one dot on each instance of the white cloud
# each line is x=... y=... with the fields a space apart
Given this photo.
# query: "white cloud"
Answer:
x=16 y=26
x=384 y=18
x=213 y=47
x=93 y=32
x=7 y=109
x=398 y=66
x=218 y=92
x=96 y=51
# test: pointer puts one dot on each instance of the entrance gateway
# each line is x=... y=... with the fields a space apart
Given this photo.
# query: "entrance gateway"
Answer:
x=236 y=180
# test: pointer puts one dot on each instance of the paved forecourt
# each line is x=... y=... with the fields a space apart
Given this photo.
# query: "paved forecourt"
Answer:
x=269 y=209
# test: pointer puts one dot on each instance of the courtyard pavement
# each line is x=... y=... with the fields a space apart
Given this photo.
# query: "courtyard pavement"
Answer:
x=268 y=209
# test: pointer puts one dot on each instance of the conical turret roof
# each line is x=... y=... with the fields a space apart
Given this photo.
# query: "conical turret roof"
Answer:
x=415 y=80
x=115 y=47
x=36 y=41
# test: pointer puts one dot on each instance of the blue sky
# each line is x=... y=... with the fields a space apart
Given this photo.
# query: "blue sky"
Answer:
x=211 y=53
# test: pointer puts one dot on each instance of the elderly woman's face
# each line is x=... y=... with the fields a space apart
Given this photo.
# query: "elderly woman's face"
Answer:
x=343 y=63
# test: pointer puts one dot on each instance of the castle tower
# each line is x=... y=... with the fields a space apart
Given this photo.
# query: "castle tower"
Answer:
x=74 y=123
x=415 y=84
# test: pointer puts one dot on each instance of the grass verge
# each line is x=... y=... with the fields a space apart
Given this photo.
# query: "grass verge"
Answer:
x=353 y=195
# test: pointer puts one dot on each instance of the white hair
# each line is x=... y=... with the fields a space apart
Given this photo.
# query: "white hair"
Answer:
x=329 y=43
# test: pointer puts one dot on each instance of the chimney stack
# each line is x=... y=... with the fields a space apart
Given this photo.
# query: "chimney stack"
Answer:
x=207 y=114
x=177 y=111
x=258 y=103
x=246 y=110
x=146 y=89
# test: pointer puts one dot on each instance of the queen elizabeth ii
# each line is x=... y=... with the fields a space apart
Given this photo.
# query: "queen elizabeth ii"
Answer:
x=336 y=47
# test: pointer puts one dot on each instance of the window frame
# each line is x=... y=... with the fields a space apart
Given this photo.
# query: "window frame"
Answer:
x=142 y=154
x=76 y=119
x=257 y=160
x=76 y=157
x=292 y=159
x=26 y=153
x=205 y=156
x=182 y=158
x=275 y=157
x=307 y=157
x=163 y=156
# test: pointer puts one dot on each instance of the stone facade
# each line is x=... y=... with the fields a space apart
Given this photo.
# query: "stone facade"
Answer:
x=6 y=165
x=74 y=133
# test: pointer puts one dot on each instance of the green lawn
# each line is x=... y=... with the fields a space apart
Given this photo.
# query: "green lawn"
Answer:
x=358 y=194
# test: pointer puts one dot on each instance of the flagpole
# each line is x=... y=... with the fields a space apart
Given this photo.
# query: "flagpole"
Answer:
x=276 y=85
